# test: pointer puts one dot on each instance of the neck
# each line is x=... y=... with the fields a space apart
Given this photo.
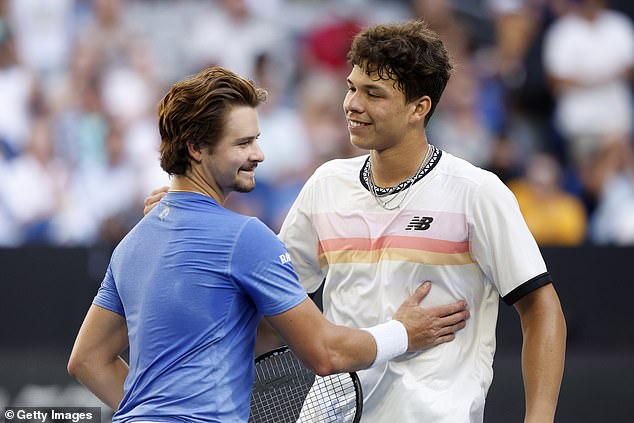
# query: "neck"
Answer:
x=394 y=165
x=190 y=183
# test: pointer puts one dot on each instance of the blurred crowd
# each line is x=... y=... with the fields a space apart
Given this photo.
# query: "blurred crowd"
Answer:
x=541 y=95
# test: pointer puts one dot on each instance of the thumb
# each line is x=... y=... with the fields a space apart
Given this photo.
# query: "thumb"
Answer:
x=419 y=293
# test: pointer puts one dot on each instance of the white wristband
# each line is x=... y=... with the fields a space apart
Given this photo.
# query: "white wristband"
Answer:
x=391 y=340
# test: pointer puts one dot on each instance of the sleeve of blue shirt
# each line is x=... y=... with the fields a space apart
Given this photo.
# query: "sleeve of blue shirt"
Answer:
x=108 y=296
x=261 y=265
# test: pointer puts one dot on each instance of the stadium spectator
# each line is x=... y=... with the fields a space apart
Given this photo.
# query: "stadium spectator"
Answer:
x=554 y=216
x=612 y=222
x=37 y=187
x=589 y=58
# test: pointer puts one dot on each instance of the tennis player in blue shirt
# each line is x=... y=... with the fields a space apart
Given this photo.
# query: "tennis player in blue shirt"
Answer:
x=187 y=286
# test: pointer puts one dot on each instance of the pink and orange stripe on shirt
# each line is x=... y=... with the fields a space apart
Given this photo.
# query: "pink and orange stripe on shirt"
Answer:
x=446 y=243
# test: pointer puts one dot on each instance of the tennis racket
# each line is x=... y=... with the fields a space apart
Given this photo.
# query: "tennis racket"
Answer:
x=285 y=391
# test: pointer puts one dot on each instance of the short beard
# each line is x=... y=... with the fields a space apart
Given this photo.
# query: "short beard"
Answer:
x=243 y=188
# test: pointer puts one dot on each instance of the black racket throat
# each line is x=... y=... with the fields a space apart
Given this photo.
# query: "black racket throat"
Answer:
x=285 y=390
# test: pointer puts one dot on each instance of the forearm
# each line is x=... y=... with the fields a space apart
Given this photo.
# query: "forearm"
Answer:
x=322 y=346
x=350 y=349
x=543 y=356
x=104 y=380
x=336 y=349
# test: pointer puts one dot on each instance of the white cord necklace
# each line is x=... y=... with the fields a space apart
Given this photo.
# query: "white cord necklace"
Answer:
x=406 y=183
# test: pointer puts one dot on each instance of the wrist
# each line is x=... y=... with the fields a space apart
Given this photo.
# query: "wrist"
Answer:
x=391 y=340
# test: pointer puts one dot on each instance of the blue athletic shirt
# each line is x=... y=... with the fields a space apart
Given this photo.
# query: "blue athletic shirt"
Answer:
x=192 y=280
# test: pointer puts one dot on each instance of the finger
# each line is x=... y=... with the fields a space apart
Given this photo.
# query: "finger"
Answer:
x=150 y=202
x=154 y=198
x=452 y=319
x=445 y=338
x=164 y=189
x=418 y=294
x=449 y=309
x=452 y=329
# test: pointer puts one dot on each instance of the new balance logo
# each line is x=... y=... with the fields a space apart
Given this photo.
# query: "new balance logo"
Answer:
x=419 y=223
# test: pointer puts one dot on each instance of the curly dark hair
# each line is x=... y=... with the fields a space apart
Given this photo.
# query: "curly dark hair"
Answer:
x=195 y=110
x=409 y=53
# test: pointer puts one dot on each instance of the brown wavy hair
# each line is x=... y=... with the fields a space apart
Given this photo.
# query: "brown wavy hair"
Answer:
x=195 y=110
x=409 y=53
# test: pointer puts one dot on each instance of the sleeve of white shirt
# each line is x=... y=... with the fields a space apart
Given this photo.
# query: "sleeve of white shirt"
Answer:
x=502 y=244
x=300 y=237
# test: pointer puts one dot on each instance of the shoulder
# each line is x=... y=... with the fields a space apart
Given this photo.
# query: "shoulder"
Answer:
x=257 y=245
x=233 y=227
x=339 y=168
x=476 y=185
x=221 y=216
x=252 y=229
x=613 y=18
x=464 y=172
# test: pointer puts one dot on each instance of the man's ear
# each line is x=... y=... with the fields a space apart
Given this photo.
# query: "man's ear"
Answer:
x=422 y=106
x=194 y=151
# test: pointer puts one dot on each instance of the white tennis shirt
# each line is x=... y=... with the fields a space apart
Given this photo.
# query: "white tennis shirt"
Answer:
x=459 y=227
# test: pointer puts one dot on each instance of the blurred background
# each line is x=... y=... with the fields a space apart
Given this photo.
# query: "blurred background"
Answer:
x=541 y=95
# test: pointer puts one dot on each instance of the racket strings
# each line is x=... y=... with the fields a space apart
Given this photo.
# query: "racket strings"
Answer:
x=286 y=391
x=279 y=391
x=331 y=399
